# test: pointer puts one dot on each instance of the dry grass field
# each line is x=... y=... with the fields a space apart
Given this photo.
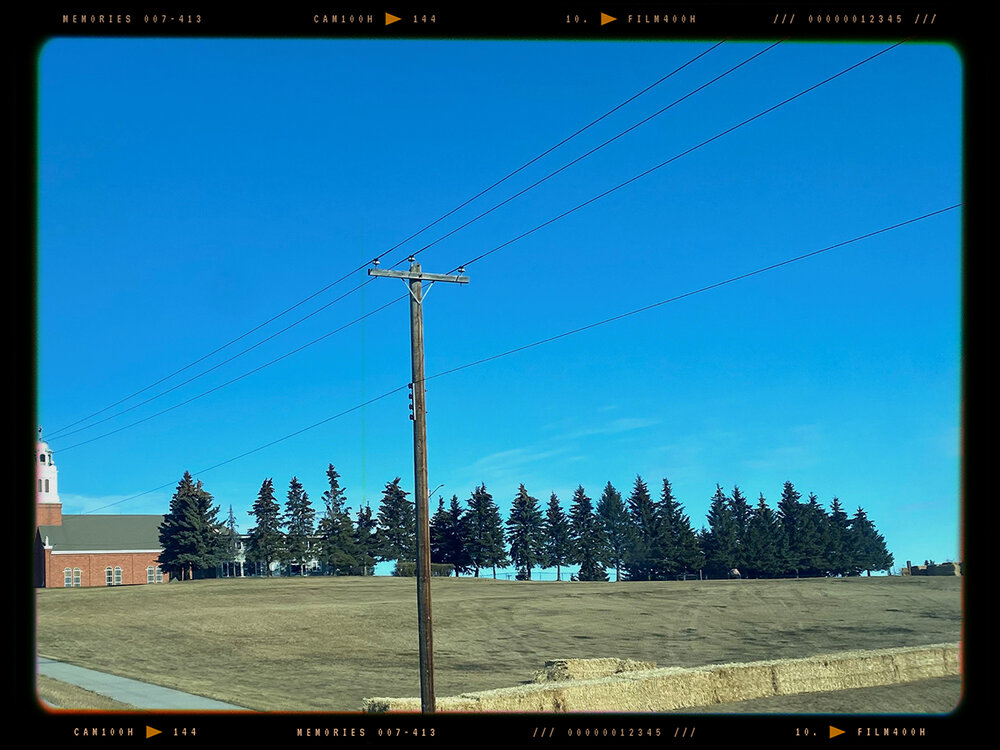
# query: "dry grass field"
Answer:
x=324 y=644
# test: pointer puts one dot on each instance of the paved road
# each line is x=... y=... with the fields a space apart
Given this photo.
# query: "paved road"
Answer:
x=133 y=692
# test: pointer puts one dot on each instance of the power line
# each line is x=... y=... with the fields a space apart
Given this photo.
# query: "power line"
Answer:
x=566 y=334
x=515 y=239
x=315 y=294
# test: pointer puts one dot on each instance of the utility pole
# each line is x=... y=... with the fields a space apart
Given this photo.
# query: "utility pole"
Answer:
x=414 y=279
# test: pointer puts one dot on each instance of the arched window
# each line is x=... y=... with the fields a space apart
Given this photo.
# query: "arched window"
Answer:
x=46 y=485
x=77 y=577
x=150 y=574
x=118 y=576
x=67 y=577
x=39 y=485
x=159 y=574
x=41 y=457
x=108 y=577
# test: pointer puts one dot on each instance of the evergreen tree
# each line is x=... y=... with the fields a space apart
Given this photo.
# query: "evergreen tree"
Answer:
x=720 y=539
x=867 y=546
x=191 y=537
x=232 y=538
x=640 y=565
x=367 y=542
x=449 y=536
x=555 y=531
x=485 y=542
x=524 y=533
x=339 y=550
x=299 y=521
x=616 y=527
x=790 y=516
x=764 y=550
x=588 y=539
x=265 y=542
x=837 y=539
x=397 y=521
x=741 y=512
x=677 y=549
x=814 y=536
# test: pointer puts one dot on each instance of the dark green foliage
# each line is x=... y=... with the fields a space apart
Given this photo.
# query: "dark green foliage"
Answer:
x=641 y=563
x=485 y=543
x=588 y=538
x=408 y=569
x=616 y=528
x=720 y=540
x=815 y=538
x=193 y=541
x=366 y=541
x=524 y=533
x=265 y=542
x=449 y=534
x=397 y=521
x=838 y=530
x=764 y=550
x=339 y=553
x=555 y=531
x=867 y=546
x=299 y=522
x=676 y=549
x=741 y=512
x=790 y=516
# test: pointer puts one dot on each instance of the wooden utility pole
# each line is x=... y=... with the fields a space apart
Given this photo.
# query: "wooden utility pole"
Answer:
x=414 y=279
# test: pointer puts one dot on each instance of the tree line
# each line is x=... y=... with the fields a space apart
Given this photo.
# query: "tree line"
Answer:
x=636 y=538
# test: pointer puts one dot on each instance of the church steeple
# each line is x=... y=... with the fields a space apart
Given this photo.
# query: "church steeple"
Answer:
x=49 y=508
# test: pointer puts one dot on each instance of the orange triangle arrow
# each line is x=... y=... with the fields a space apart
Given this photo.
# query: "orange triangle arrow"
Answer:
x=605 y=18
x=150 y=732
x=389 y=18
x=834 y=731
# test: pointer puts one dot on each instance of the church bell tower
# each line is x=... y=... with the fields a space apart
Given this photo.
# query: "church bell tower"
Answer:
x=48 y=506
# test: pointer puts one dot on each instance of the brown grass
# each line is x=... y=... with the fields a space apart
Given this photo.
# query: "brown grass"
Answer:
x=327 y=643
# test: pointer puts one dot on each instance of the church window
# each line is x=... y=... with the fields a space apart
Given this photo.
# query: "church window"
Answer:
x=150 y=574
x=108 y=577
x=67 y=577
x=46 y=485
x=77 y=577
x=118 y=576
x=41 y=457
x=159 y=574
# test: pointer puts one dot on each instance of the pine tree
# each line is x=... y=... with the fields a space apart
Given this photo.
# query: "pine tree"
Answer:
x=814 y=536
x=741 y=512
x=555 y=531
x=191 y=538
x=524 y=533
x=640 y=565
x=397 y=519
x=616 y=527
x=265 y=542
x=764 y=548
x=366 y=540
x=449 y=536
x=588 y=539
x=868 y=549
x=486 y=536
x=837 y=540
x=677 y=549
x=720 y=539
x=790 y=516
x=339 y=551
x=299 y=520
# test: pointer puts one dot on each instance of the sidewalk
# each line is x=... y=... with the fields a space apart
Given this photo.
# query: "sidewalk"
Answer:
x=133 y=692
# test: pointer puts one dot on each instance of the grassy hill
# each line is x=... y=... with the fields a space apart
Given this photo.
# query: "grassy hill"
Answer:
x=323 y=644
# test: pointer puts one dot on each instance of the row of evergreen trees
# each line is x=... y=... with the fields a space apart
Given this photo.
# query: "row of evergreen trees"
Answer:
x=637 y=538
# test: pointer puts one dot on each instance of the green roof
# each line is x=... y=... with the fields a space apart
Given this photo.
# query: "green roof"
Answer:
x=104 y=533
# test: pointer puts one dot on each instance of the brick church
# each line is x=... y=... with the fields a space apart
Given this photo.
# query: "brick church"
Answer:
x=89 y=550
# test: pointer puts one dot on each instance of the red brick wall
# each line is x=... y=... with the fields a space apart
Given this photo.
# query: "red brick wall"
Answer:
x=133 y=565
x=48 y=514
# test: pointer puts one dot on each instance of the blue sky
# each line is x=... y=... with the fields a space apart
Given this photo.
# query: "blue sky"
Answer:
x=189 y=190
